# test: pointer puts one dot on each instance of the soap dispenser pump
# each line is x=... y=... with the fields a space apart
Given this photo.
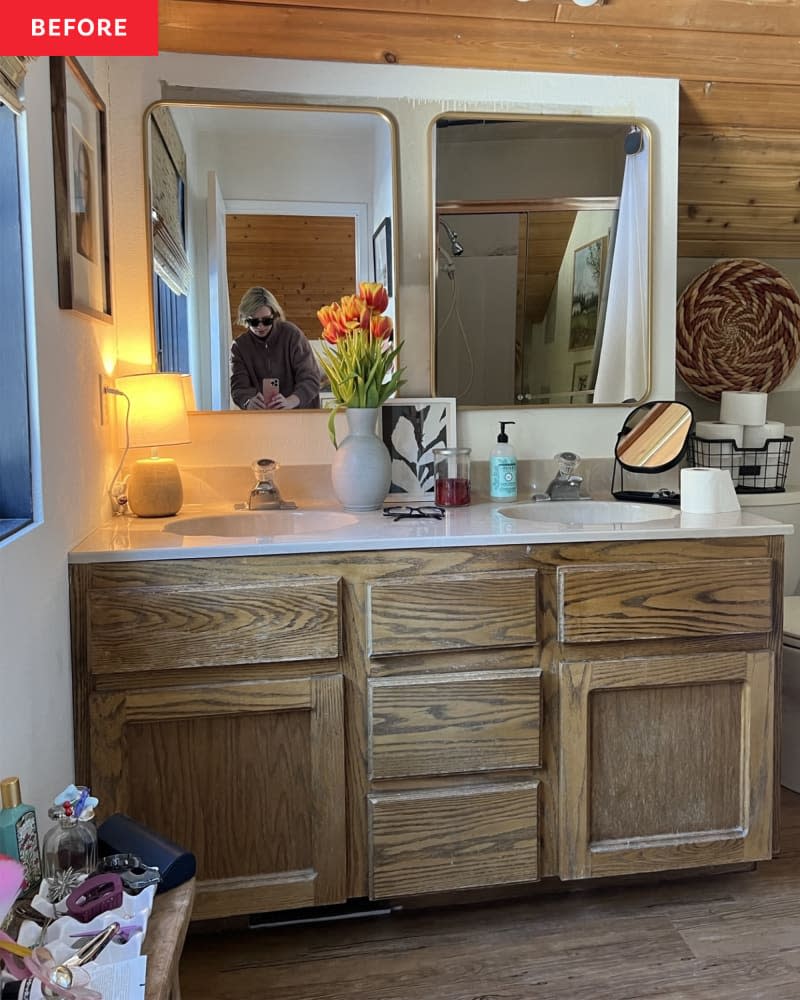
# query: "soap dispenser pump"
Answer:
x=503 y=467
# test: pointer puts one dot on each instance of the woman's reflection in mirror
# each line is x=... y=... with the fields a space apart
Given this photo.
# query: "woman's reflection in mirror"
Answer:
x=272 y=364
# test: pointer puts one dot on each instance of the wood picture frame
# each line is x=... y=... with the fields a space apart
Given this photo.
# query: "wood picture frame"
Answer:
x=80 y=168
x=411 y=428
x=382 y=255
x=588 y=272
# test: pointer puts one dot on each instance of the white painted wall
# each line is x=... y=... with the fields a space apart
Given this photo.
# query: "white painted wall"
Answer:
x=414 y=96
x=70 y=351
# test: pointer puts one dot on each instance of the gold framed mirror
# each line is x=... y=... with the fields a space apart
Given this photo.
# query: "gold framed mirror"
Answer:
x=536 y=271
x=288 y=197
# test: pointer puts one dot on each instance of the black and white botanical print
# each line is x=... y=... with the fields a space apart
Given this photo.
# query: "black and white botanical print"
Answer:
x=411 y=430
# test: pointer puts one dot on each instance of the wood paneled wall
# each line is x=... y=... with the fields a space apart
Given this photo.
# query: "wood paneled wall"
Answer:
x=303 y=260
x=738 y=62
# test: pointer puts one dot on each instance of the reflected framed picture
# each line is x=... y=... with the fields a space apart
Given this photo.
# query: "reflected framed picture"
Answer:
x=581 y=373
x=81 y=190
x=411 y=428
x=587 y=284
x=382 y=255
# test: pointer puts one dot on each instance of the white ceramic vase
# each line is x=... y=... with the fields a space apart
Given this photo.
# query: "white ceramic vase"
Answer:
x=361 y=471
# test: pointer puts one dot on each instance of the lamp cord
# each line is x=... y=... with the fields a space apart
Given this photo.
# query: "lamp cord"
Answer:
x=116 y=506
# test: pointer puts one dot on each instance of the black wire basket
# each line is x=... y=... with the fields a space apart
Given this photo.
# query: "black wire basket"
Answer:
x=753 y=470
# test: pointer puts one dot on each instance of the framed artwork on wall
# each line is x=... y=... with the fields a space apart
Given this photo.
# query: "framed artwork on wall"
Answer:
x=581 y=373
x=411 y=429
x=81 y=190
x=382 y=255
x=587 y=284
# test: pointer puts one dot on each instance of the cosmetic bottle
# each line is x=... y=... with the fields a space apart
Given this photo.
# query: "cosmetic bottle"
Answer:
x=19 y=836
x=70 y=846
x=503 y=467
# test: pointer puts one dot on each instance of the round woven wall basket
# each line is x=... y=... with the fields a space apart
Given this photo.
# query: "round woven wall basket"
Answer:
x=738 y=329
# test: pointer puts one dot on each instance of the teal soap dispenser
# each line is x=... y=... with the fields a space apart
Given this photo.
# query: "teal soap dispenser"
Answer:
x=503 y=467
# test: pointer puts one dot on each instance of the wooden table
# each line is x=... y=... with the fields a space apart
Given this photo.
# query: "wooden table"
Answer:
x=163 y=943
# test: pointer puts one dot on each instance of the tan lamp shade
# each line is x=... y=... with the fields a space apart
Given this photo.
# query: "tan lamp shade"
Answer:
x=157 y=417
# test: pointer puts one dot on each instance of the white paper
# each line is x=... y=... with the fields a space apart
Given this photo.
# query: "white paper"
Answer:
x=120 y=981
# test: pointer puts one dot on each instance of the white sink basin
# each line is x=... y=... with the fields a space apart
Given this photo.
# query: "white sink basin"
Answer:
x=260 y=523
x=588 y=512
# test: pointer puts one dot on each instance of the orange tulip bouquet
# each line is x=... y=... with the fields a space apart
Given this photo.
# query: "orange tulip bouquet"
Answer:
x=359 y=358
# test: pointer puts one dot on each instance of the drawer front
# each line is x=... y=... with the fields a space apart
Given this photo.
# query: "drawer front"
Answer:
x=455 y=723
x=159 y=628
x=614 y=603
x=436 y=841
x=428 y=614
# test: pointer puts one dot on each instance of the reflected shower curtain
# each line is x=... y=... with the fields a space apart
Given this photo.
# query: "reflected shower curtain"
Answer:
x=622 y=372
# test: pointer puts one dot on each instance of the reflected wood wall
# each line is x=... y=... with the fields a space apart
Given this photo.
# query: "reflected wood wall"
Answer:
x=739 y=191
x=303 y=260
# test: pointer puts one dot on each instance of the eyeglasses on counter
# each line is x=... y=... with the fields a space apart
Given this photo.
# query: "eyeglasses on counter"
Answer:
x=401 y=511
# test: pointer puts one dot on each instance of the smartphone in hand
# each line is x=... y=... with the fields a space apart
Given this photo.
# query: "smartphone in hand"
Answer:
x=270 y=388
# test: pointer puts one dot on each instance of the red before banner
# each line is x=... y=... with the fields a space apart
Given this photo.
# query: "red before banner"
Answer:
x=81 y=28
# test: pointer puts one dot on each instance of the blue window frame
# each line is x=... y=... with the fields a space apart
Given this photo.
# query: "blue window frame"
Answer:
x=16 y=477
x=172 y=328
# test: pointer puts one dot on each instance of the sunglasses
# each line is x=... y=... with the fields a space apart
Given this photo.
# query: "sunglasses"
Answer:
x=400 y=511
x=265 y=321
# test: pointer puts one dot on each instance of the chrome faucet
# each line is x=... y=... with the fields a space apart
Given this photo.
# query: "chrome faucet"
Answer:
x=265 y=495
x=565 y=485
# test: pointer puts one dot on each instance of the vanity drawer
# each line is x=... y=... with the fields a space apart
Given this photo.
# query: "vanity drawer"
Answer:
x=454 y=723
x=163 y=628
x=427 y=614
x=444 y=839
x=624 y=602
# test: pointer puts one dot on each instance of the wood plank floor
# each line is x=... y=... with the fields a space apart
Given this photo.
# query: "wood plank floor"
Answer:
x=727 y=936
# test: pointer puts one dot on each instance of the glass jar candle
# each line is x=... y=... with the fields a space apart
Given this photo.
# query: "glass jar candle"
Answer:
x=451 y=476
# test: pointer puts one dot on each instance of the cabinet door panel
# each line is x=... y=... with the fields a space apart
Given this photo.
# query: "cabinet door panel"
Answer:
x=454 y=723
x=435 y=841
x=159 y=628
x=628 y=602
x=426 y=614
x=272 y=839
x=665 y=762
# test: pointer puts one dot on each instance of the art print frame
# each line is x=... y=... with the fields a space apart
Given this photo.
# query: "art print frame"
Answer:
x=588 y=274
x=80 y=172
x=581 y=375
x=411 y=427
x=382 y=255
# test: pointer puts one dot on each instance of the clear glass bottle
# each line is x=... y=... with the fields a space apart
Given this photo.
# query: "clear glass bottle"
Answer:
x=69 y=844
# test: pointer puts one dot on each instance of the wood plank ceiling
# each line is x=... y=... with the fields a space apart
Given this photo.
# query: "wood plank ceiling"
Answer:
x=738 y=62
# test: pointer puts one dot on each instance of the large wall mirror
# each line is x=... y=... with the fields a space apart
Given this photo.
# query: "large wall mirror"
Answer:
x=294 y=199
x=541 y=260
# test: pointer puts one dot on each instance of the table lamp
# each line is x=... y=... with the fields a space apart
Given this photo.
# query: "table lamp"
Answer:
x=157 y=417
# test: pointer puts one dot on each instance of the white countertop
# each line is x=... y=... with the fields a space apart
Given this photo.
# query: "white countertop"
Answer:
x=127 y=539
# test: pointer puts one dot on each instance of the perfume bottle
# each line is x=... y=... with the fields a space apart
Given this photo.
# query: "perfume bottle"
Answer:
x=19 y=836
x=70 y=846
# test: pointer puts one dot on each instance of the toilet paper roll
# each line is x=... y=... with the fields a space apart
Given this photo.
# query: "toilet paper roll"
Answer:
x=746 y=408
x=716 y=430
x=707 y=491
x=757 y=437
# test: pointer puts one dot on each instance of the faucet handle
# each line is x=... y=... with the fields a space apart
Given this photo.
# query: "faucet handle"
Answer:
x=263 y=469
x=568 y=462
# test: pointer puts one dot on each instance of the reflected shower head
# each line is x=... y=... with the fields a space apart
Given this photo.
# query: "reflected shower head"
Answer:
x=457 y=248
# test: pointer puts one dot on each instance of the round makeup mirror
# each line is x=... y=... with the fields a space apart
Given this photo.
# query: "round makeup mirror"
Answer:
x=653 y=437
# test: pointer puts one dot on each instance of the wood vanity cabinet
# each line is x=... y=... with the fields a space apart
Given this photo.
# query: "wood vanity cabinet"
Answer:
x=210 y=706
x=391 y=724
x=667 y=663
